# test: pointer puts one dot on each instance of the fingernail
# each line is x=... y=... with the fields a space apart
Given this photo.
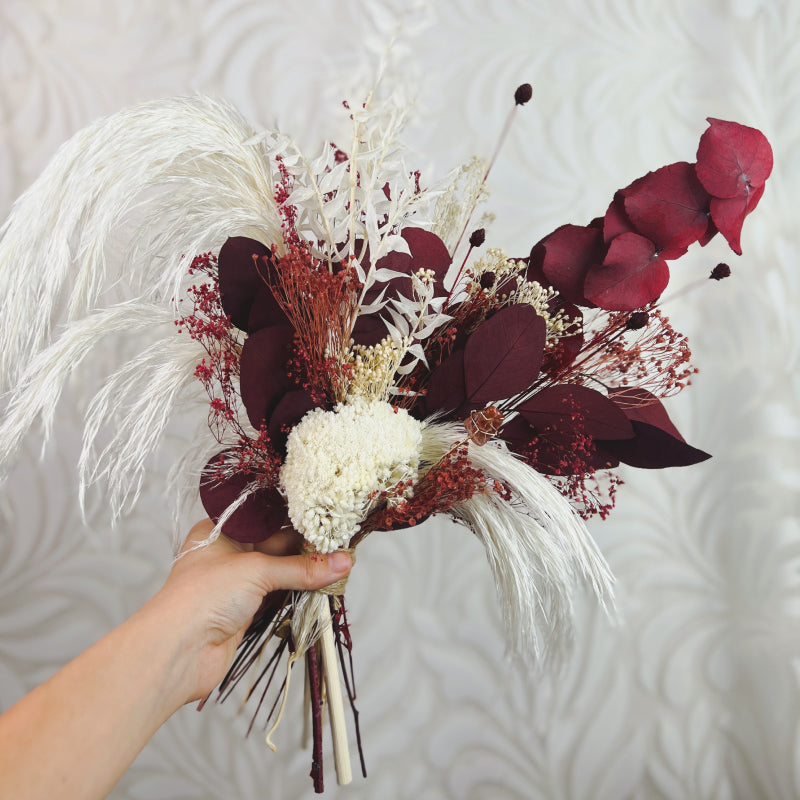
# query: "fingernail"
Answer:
x=339 y=561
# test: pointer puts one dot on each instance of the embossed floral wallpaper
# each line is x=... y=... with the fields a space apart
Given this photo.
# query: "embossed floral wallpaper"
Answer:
x=696 y=693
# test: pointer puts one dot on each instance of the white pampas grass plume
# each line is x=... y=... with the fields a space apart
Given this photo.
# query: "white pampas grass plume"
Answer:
x=538 y=548
x=161 y=182
x=186 y=173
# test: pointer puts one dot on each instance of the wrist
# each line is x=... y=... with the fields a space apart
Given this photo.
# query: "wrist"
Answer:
x=175 y=646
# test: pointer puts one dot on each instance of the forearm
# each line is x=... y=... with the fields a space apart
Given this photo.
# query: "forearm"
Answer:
x=98 y=712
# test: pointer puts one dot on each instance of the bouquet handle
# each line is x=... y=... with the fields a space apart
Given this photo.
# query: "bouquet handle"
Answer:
x=333 y=688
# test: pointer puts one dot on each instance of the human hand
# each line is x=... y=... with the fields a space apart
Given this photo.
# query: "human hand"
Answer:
x=213 y=593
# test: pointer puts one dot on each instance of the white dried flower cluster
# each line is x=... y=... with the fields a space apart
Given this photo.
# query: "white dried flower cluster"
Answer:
x=372 y=368
x=510 y=286
x=338 y=462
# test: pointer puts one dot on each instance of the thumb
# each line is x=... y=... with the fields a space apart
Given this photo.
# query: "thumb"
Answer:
x=307 y=571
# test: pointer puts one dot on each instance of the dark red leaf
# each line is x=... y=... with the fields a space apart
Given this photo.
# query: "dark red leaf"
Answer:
x=291 y=408
x=239 y=280
x=503 y=355
x=710 y=231
x=566 y=255
x=669 y=207
x=261 y=515
x=732 y=159
x=446 y=390
x=369 y=329
x=616 y=219
x=265 y=311
x=517 y=434
x=652 y=448
x=631 y=275
x=428 y=251
x=262 y=378
x=729 y=214
x=569 y=406
x=639 y=405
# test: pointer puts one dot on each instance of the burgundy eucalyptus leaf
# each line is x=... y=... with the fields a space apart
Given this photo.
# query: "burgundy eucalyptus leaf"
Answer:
x=291 y=408
x=631 y=276
x=616 y=219
x=639 y=405
x=732 y=159
x=503 y=355
x=517 y=434
x=566 y=255
x=239 y=278
x=265 y=311
x=729 y=214
x=262 y=378
x=446 y=391
x=652 y=448
x=427 y=251
x=669 y=207
x=568 y=406
x=262 y=514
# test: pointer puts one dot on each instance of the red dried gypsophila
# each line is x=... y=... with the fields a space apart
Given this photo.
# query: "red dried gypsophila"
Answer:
x=567 y=455
x=592 y=494
x=322 y=307
x=287 y=212
x=451 y=480
x=640 y=348
x=209 y=325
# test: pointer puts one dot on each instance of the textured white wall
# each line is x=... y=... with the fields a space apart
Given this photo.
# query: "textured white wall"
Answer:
x=696 y=695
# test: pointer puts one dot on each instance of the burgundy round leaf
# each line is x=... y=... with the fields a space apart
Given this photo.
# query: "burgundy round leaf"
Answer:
x=569 y=252
x=652 y=448
x=446 y=391
x=503 y=355
x=616 y=219
x=427 y=250
x=568 y=406
x=262 y=514
x=239 y=279
x=732 y=158
x=265 y=311
x=368 y=330
x=669 y=207
x=517 y=434
x=262 y=378
x=710 y=231
x=631 y=276
x=729 y=213
x=639 y=405
x=291 y=408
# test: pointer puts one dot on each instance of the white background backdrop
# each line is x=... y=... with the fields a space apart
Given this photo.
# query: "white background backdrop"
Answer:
x=696 y=695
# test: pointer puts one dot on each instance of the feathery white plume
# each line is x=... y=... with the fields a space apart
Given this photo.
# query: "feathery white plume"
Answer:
x=537 y=546
x=162 y=181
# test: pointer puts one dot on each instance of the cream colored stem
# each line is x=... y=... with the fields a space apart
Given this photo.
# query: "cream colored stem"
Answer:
x=330 y=670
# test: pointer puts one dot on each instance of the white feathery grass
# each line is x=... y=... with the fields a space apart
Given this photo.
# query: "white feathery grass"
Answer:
x=185 y=173
x=137 y=401
x=39 y=388
x=538 y=548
